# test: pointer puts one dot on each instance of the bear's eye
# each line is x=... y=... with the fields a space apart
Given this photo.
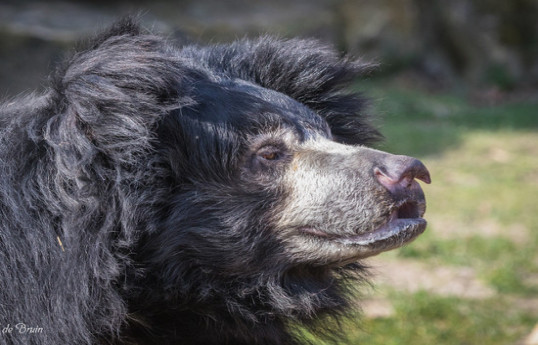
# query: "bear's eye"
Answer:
x=270 y=153
x=271 y=156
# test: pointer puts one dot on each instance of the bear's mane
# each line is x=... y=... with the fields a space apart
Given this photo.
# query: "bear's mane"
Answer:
x=86 y=181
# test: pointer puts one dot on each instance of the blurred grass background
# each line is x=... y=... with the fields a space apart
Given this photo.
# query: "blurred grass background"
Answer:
x=457 y=87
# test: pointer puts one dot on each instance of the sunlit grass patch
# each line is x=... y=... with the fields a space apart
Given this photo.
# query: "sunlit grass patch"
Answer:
x=423 y=318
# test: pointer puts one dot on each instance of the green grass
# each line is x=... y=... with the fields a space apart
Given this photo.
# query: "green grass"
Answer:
x=423 y=318
x=482 y=214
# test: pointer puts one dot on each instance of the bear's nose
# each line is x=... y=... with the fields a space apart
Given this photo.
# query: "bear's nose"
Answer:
x=399 y=172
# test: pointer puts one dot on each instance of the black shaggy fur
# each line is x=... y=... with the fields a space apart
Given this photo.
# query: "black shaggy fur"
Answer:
x=124 y=218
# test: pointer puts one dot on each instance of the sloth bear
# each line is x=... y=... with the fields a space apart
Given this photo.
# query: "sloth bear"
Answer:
x=193 y=195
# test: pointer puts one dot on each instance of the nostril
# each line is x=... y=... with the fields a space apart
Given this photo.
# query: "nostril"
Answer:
x=400 y=172
x=392 y=183
x=384 y=178
x=406 y=181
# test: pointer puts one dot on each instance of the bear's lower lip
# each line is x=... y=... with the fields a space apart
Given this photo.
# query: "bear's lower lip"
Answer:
x=394 y=233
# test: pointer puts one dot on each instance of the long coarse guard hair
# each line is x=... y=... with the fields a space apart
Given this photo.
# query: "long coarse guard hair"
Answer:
x=82 y=181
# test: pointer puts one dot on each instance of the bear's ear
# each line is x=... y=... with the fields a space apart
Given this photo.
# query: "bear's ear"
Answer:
x=307 y=71
x=110 y=96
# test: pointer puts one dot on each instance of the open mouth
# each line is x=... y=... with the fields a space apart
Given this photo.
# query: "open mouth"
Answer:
x=404 y=225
